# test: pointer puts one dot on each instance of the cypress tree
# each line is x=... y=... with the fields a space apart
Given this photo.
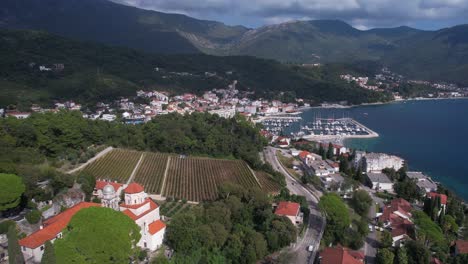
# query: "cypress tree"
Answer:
x=330 y=152
x=14 y=251
x=49 y=254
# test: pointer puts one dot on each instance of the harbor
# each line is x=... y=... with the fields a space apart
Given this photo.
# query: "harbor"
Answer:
x=278 y=123
x=336 y=130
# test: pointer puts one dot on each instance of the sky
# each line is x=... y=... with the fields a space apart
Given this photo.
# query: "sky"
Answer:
x=362 y=14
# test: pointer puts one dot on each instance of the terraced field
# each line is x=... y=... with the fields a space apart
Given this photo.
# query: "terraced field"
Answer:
x=151 y=171
x=116 y=165
x=197 y=179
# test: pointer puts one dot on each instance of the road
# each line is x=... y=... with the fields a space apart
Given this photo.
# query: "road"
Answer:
x=316 y=224
x=371 y=244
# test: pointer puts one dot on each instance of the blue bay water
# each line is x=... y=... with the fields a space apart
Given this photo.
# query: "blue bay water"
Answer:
x=431 y=135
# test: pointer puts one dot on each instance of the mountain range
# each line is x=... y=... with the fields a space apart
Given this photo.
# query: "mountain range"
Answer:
x=432 y=55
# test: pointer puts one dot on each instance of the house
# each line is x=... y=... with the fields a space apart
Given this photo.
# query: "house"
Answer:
x=333 y=164
x=443 y=200
x=461 y=247
x=3 y=248
x=283 y=142
x=337 y=149
x=321 y=168
x=291 y=211
x=32 y=246
x=341 y=255
x=397 y=218
x=380 y=182
x=424 y=183
x=18 y=115
x=376 y=162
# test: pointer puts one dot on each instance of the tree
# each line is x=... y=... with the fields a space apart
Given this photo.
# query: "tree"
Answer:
x=417 y=252
x=407 y=189
x=12 y=188
x=49 y=254
x=110 y=237
x=386 y=240
x=14 y=251
x=427 y=231
x=337 y=216
x=384 y=256
x=33 y=217
x=361 y=202
x=402 y=256
x=330 y=151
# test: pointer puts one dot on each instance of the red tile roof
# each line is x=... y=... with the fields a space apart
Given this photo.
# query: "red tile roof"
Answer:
x=400 y=205
x=287 y=208
x=100 y=185
x=304 y=154
x=341 y=255
x=462 y=246
x=53 y=226
x=134 y=188
x=433 y=195
x=135 y=217
x=156 y=226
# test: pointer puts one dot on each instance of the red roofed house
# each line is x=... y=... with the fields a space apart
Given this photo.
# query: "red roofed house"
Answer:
x=32 y=246
x=341 y=255
x=396 y=217
x=337 y=149
x=461 y=247
x=290 y=210
x=443 y=200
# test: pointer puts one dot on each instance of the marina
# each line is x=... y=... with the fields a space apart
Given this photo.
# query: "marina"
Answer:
x=334 y=129
x=277 y=124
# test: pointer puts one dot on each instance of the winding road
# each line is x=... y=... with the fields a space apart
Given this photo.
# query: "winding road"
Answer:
x=316 y=224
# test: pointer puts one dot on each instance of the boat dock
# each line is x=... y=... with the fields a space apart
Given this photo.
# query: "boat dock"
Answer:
x=335 y=129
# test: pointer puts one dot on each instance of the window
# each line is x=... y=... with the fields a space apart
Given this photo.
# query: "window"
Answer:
x=24 y=248
x=42 y=248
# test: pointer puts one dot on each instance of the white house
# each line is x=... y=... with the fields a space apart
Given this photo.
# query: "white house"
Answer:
x=291 y=211
x=380 y=182
x=376 y=162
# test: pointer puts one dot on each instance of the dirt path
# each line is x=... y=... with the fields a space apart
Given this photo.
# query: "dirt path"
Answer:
x=91 y=160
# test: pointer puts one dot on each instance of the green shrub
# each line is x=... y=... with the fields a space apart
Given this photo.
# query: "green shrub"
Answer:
x=33 y=217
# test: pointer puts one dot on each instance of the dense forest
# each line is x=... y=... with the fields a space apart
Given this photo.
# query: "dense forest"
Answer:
x=239 y=227
x=94 y=72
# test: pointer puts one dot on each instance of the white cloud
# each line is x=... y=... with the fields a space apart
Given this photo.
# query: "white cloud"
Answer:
x=361 y=13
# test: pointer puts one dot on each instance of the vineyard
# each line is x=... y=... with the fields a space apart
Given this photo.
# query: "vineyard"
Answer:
x=116 y=165
x=197 y=179
x=269 y=185
x=192 y=178
x=151 y=171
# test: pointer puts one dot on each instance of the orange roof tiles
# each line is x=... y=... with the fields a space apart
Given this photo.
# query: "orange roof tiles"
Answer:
x=433 y=195
x=100 y=185
x=134 y=188
x=341 y=255
x=53 y=226
x=156 y=226
x=135 y=217
x=287 y=208
x=462 y=246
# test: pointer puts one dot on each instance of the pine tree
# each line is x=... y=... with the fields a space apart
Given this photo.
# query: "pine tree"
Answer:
x=14 y=251
x=49 y=254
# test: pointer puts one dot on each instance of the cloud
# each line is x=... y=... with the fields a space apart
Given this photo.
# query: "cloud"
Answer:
x=360 y=13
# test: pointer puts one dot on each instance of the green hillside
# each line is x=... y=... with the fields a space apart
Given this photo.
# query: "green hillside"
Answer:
x=94 y=72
